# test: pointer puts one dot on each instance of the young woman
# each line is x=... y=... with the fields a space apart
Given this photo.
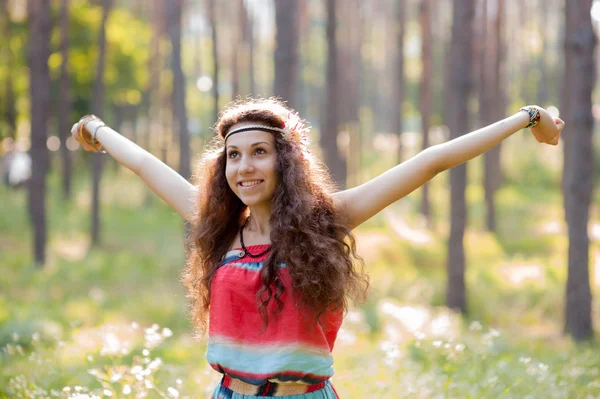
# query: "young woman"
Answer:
x=273 y=263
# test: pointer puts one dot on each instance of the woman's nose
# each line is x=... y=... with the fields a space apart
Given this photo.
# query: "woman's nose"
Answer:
x=246 y=165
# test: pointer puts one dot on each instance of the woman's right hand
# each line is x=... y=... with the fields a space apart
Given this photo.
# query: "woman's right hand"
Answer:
x=86 y=139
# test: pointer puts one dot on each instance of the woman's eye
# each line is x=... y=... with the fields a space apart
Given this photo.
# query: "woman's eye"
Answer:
x=260 y=149
x=232 y=154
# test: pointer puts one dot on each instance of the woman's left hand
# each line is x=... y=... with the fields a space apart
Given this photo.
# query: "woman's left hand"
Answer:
x=548 y=129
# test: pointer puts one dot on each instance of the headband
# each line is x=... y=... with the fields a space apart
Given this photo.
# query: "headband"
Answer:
x=294 y=131
x=253 y=127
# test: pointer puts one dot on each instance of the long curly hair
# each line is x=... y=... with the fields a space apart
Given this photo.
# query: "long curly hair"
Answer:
x=307 y=232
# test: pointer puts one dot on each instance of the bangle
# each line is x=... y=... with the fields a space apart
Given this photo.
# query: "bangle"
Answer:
x=81 y=124
x=93 y=136
x=534 y=115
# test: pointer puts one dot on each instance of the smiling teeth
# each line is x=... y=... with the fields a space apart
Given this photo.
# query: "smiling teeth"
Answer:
x=249 y=183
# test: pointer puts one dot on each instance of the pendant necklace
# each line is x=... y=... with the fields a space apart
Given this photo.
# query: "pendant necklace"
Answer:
x=246 y=252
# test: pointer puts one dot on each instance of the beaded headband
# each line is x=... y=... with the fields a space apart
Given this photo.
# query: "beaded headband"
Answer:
x=294 y=131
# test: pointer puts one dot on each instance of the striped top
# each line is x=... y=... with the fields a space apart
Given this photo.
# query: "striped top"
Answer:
x=291 y=349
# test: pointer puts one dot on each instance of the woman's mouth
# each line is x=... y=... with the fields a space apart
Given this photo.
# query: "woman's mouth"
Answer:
x=249 y=184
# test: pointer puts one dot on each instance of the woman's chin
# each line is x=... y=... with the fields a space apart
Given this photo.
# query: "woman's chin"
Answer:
x=252 y=201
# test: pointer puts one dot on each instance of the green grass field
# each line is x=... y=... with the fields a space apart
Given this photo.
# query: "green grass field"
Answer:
x=112 y=321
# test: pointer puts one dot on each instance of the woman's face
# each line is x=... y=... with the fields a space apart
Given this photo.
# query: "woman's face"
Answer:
x=250 y=169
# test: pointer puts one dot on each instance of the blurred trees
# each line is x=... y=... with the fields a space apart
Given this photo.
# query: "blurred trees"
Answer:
x=8 y=110
x=38 y=49
x=64 y=107
x=398 y=81
x=425 y=93
x=376 y=71
x=212 y=18
x=578 y=173
x=457 y=119
x=330 y=112
x=97 y=109
x=174 y=12
x=491 y=97
x=287 y=51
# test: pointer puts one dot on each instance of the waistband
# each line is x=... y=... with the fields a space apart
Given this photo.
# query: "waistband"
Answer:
x=269 y=388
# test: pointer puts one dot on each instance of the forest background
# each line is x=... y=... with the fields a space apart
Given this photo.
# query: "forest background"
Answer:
x=482 y=280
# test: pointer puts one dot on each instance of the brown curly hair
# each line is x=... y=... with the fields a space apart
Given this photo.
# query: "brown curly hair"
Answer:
x=307 y=232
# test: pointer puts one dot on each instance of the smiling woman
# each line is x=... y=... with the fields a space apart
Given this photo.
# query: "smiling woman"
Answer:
x=276 y=281
x=272 y=262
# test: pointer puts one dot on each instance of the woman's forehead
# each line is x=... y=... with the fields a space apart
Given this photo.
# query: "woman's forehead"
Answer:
x=249 y=137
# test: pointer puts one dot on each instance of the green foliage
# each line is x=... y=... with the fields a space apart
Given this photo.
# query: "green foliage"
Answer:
x=126 y=73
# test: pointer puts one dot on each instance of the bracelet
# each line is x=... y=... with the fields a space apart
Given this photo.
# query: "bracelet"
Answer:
x=534 y=115
x=94 y=141
x=81 y=124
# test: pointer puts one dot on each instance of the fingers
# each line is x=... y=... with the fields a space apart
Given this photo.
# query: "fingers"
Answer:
x=535 y=135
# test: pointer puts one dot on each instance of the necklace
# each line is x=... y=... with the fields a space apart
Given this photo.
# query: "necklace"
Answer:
x=244 y=247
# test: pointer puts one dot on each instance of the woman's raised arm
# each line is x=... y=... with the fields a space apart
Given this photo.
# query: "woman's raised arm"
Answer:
x=362 y=202
x=164 y=181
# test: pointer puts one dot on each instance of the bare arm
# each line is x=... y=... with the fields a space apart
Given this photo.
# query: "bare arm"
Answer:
x=362 y=202
x=164 y=181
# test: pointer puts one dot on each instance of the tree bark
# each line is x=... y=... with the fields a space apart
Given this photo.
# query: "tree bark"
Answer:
x=40 y=24
x=425 y=93
x=458 y=124
x=578 y=178
x=64 y=106
x=492 y=105
x=330 y=113
x=97 y=109
x=174 y=28
x=350 y=27
x=249 y=34
x=398 y=96
x=235 y=49
x=215 y=50
x=286 y=53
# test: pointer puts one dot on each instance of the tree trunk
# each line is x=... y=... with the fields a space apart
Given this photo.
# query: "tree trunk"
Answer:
x=64 y=107
x=425 y=93
x=235 y=49
x=492 y=105
x=330 y=113
x=398 y=84
x=249 y=34
x=174 y=28
x=97 y=109
x=286 y=53
x=212 y=17
x=458 y=123
x=578 y=179
x=40 y=24
x=544 y=12
x=350 y=28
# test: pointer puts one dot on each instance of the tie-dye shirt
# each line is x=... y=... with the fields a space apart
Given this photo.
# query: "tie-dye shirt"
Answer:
x=292 y=347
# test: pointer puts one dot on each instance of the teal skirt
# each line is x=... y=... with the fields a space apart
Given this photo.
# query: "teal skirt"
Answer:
x=327 y=392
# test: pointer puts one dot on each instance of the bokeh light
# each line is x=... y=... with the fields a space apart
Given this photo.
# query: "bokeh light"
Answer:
x=204 y=84
x=53 y=143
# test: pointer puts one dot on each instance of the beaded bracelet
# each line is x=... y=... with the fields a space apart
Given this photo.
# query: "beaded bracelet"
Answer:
x=534 y=115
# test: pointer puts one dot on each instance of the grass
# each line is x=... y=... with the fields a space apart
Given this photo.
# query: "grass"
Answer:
x=112 y=321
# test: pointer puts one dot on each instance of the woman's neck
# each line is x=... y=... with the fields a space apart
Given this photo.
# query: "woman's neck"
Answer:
x=259 y=223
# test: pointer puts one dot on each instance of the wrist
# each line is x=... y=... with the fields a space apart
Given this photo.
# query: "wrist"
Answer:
x=533 y=113
x=88 y=129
